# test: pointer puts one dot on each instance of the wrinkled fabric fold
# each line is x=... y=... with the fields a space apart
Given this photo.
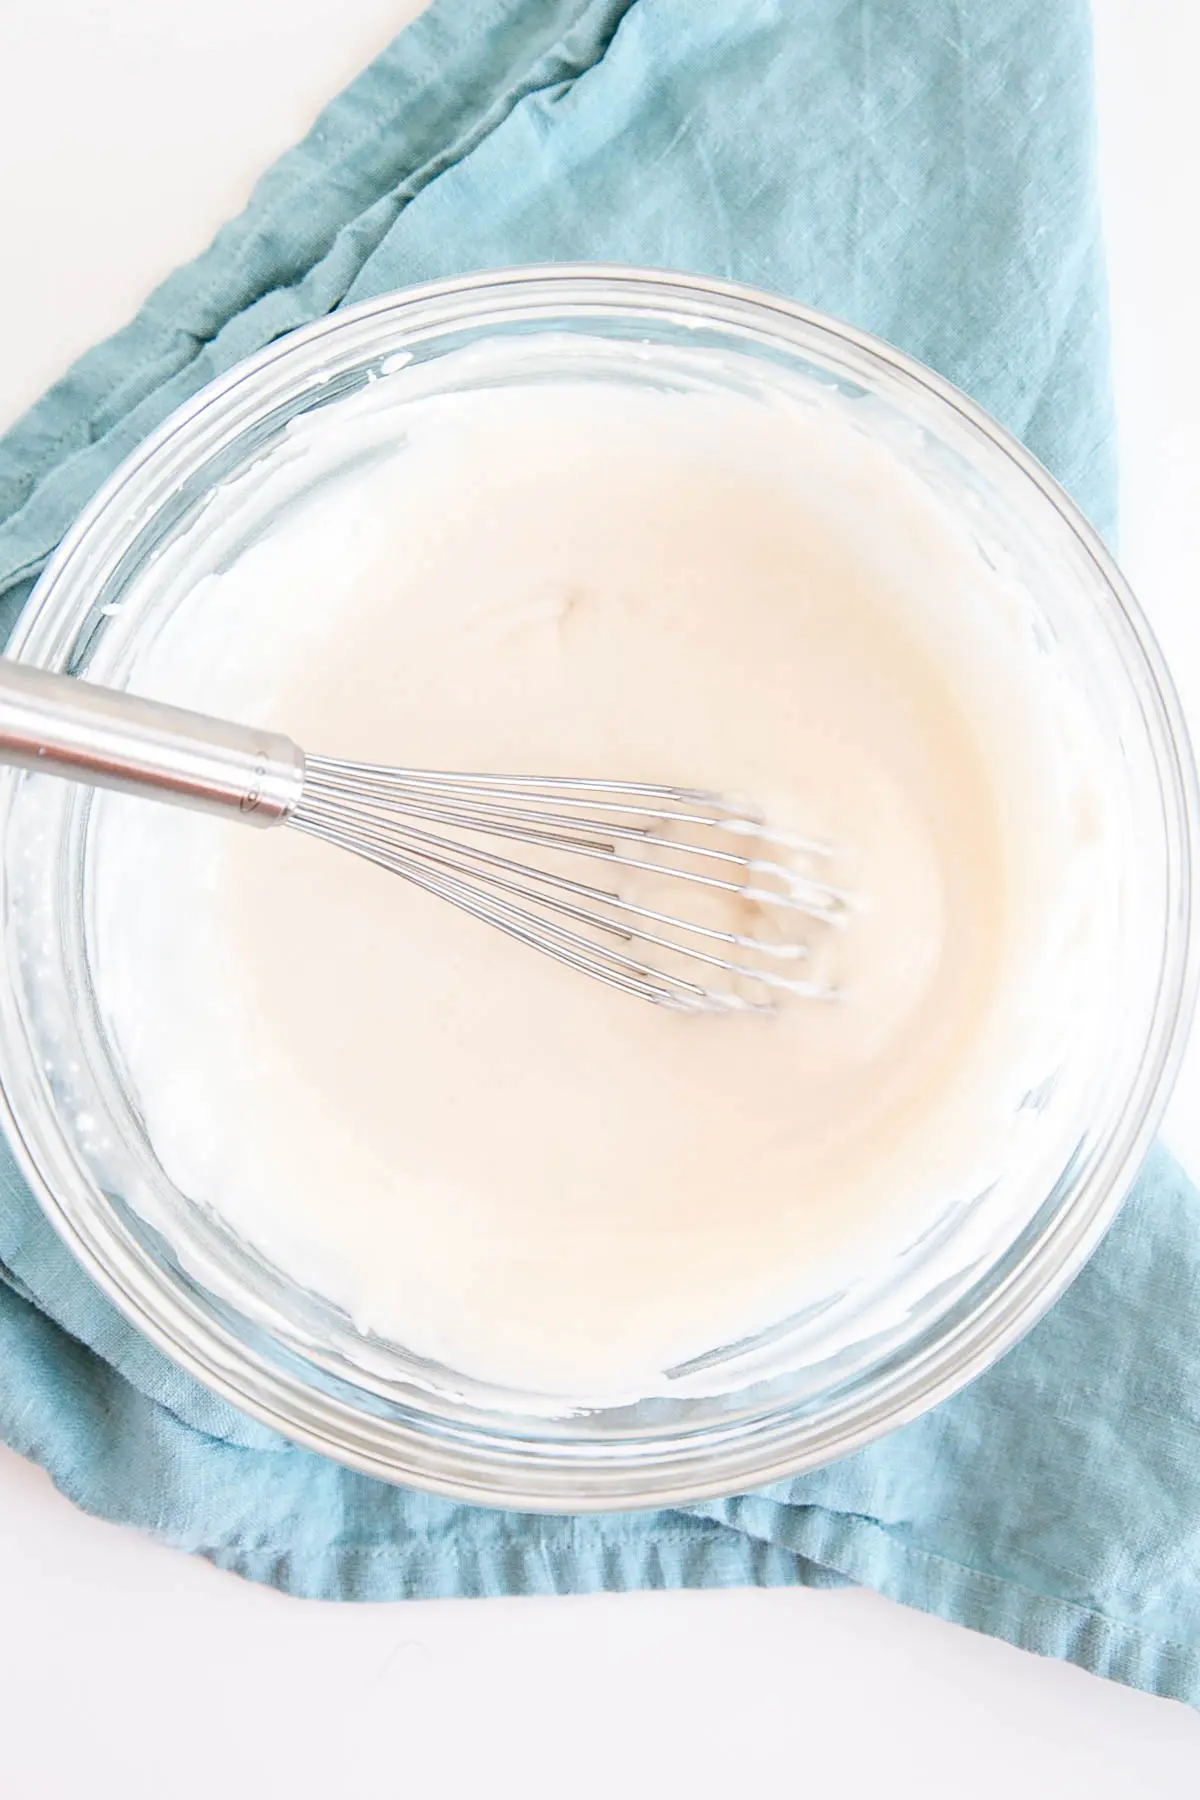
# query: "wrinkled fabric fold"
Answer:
x=924 y=169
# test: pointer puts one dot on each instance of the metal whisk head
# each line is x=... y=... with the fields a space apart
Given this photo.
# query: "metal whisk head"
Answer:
x=673 y=894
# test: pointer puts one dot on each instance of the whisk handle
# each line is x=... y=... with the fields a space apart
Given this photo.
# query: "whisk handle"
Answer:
x=59 y=725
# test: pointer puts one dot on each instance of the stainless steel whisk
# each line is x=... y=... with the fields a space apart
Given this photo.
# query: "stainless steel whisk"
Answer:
x=749 y=897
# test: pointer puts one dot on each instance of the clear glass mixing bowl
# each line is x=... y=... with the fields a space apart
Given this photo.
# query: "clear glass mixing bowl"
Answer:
x=820 y=1384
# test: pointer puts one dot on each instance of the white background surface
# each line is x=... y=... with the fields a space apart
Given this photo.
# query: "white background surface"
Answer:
x=128 y=131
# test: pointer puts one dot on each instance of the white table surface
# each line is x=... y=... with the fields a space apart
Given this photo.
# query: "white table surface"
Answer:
x=128 y=130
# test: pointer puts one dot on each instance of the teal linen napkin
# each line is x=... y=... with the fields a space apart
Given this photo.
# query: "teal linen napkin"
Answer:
x=923 y=168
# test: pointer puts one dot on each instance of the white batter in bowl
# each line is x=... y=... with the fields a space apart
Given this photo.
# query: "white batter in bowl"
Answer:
x=445 y=1208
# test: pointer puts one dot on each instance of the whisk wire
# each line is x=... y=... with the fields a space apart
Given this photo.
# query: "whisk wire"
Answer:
x=378 y=850
x=440 y=849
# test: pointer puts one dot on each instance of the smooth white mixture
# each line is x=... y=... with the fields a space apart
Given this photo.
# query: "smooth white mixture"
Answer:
x=482 y=1155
